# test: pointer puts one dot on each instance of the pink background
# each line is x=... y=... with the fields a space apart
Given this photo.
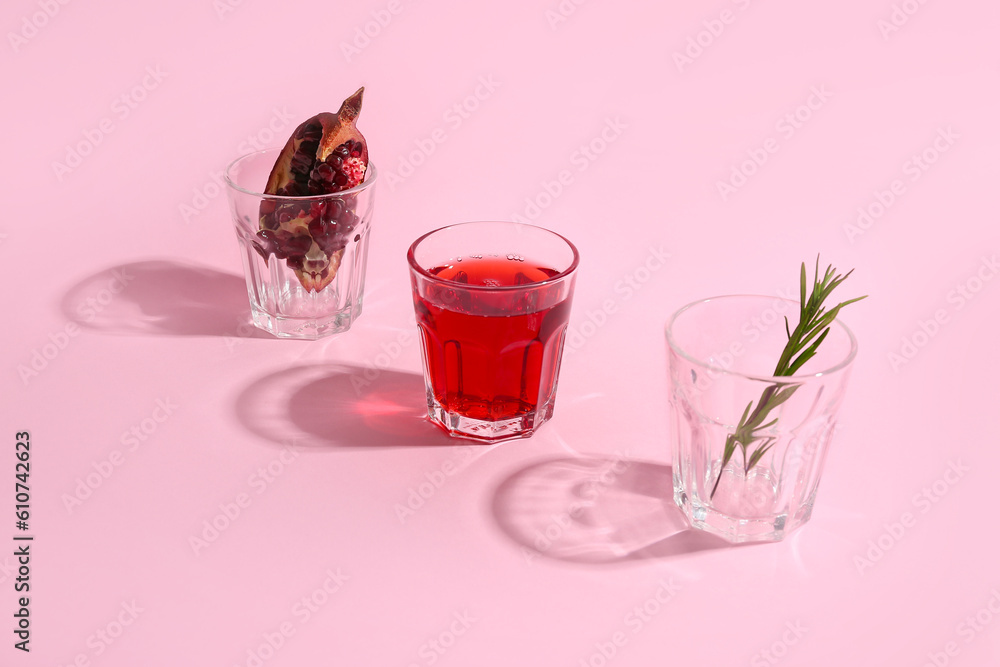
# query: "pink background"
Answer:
x=123 y=287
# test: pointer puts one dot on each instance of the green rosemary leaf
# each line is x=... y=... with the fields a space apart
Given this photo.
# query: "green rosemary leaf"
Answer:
x=807 y=355
x=850 y=301
x=823 y=324
x=822 y=328
x=765 y=426
x=802 y=294
x=803 y=342
x=781 y=397
x=815 y=328
x=759 y=454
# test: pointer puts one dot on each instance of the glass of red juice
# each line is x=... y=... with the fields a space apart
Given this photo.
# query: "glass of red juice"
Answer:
x=492 y=302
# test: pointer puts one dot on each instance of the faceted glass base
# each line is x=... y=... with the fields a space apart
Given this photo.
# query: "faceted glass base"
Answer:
x=305 y=328
x=750 y=527
x=460 y=426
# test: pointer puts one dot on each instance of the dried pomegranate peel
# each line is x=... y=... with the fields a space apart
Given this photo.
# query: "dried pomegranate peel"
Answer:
x=326 y=154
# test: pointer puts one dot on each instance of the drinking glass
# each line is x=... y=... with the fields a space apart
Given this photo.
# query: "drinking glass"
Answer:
x=722 y=353
x=306 y=275
x=492 y=302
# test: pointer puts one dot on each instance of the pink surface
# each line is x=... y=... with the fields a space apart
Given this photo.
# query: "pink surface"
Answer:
x=124 y=289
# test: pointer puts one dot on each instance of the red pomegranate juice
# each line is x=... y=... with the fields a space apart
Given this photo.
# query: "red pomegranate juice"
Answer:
x=493 y=354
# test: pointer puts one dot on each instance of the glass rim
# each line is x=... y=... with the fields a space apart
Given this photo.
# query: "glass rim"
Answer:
x=562 y=275
x=773 y=379
x=371 y=174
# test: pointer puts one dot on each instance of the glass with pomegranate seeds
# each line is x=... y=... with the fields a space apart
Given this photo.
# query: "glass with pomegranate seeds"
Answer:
x=492 y=302
x=304 y=257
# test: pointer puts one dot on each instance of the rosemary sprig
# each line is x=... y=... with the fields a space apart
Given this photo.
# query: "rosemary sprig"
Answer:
x=812 y=329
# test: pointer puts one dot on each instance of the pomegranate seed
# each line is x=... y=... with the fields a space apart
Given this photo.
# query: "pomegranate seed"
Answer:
x=317 y=227
x=323 y=172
